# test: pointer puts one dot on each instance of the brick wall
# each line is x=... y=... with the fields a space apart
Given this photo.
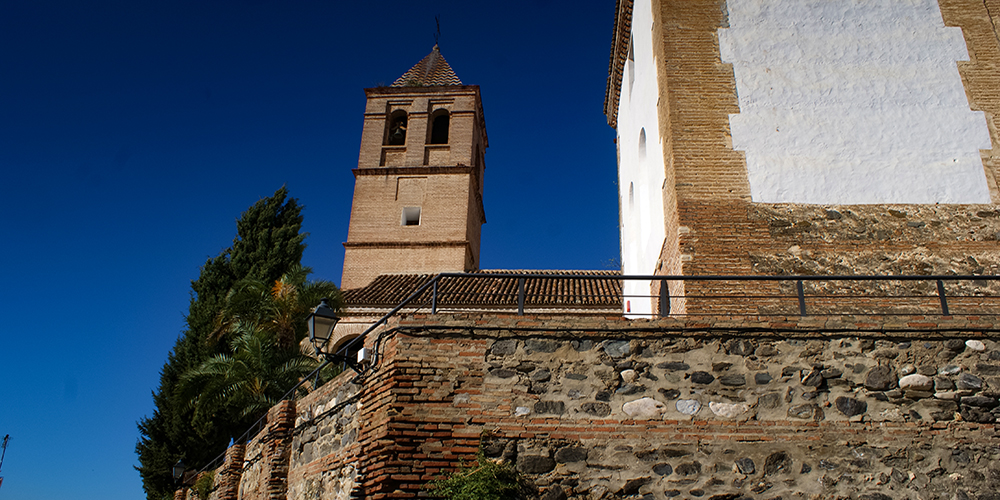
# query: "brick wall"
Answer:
x=979 y=21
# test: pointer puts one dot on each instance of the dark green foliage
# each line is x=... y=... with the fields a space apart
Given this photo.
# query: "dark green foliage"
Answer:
x=204 y=485
x=268 y=244
x=485 y=480
x=264 y=323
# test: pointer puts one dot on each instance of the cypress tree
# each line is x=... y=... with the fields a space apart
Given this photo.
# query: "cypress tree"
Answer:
x=268 y=243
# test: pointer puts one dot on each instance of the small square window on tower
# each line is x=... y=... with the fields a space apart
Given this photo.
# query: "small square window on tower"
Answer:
x=411 y=216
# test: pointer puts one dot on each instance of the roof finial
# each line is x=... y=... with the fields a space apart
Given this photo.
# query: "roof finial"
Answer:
x=437 y=34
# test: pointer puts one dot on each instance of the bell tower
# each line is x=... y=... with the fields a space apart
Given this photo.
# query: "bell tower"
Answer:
x=418 y=188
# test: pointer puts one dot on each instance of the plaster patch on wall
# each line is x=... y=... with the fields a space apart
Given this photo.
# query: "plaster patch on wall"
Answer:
x=853 y=102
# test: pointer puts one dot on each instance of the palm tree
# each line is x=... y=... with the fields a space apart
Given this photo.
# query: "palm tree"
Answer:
x=243 y=385
x=281 y=307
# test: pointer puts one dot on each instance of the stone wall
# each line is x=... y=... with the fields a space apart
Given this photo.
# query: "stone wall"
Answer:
x=701 y=416
x=590 y=408
x=325 y=448
x=671 y=414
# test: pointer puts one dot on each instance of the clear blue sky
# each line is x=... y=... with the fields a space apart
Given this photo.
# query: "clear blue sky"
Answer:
x=134 y=133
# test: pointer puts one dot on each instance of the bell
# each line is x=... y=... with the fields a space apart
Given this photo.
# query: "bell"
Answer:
x=399 y=134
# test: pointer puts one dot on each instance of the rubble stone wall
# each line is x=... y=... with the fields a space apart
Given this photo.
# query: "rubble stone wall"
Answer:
x=325 y=446
x=689 y=415
x=608 y=408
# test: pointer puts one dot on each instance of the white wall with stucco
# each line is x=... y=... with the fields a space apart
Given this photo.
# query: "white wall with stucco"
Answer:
x=848 y=101
x=640 y=176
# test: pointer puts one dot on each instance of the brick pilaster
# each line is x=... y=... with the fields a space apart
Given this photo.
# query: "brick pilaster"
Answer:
x=230 y=473
x=280 y=424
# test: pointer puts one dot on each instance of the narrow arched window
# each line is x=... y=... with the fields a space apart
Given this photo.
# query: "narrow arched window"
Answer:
x=642 y=144
x=439 y=127
x=396 y=134
x=631 y=65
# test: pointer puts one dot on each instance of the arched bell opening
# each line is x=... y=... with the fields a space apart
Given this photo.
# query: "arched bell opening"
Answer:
x=396 y=131
x=439 y=127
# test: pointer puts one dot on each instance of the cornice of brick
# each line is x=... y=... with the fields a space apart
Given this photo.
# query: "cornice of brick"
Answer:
x=457 y=169
x=619 y=51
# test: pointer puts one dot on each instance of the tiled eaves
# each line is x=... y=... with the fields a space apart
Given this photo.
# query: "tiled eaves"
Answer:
x=619 y=52
x=603 y=291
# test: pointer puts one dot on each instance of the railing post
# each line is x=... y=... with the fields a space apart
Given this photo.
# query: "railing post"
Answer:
x=520 y=296
x=944 y=299
x=664 y=299
x=434 y=297
x=802 y=298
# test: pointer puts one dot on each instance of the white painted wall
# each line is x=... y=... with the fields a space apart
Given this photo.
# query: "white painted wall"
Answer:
x=642 y=220
x=853 y=101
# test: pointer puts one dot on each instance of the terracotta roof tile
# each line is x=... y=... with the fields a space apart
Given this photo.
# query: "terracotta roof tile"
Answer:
x=431 y=71
x=619 y=52
x=600 y=290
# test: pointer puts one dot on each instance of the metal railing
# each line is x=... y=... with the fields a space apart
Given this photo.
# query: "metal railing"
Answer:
x=735 y=292
x=707 y=295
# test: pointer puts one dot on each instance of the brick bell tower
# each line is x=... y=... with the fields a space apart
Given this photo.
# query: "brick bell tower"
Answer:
x=418 y=188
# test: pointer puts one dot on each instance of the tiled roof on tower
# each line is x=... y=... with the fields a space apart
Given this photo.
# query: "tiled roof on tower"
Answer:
x=431 y=71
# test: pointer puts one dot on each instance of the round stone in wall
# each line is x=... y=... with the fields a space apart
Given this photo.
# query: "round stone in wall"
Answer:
x=880 y=378
x=745 y=466
x=728 y=410
x=850 y=406
x=644 y=409
x=596 y=409
x=975 y=345
x=916 y=382
x=504 y=348
x=702 y=378
x=663 y=469
x=688 y=406
x=617 y=349
x=968 y=381
x=949 y=370
x=955 y=345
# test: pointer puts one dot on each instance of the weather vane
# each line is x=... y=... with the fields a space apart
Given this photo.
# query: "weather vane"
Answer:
x=437 y=34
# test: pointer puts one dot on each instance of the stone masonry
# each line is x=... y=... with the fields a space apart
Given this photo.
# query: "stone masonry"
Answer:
x=842 y=407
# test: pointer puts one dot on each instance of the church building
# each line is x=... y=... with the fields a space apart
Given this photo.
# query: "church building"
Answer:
x=789 y=137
